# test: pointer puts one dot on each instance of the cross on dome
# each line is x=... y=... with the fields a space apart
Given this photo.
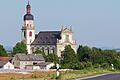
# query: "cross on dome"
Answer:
x=28 y=8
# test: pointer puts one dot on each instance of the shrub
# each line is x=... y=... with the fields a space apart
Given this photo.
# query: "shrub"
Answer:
x=104 y=65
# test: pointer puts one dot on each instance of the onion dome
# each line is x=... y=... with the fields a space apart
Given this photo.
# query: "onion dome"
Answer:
x=28 y=15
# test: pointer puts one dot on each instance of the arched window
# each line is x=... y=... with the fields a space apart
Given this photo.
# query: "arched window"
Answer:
x=42 y=49
x=32 y=49
x=27 y=25
x=53 y=50
x=30 y=25
x=24 y=34
x=67 y=38
x=30 y=33
x=48 y=50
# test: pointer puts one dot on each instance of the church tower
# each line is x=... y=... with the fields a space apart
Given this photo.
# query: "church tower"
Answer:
x=28 y=29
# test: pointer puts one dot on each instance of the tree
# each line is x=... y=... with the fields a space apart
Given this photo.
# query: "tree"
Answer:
x=69 y=58
x=83 y=53
x=3 y=51
x=52 y=58
x=20 y=47
x=97 y=56
x=37 y=51
x=48 y=58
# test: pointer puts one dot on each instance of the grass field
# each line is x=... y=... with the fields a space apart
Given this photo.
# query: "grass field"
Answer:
x=51 y=75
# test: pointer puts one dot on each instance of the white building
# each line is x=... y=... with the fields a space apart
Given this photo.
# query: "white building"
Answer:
x=40 y=66
x=46 y=41
x=6 y=65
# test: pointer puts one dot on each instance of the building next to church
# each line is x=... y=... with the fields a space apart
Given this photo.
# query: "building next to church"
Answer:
x=46 y=41
x=31 y=62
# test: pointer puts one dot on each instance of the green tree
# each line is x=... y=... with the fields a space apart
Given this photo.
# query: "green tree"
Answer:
x=69 y=58
x=48 y=58
x=52 y=58
x=37 y=51
x=97 y=56
x=83 y=53
x=116 y=63
x=3 y=51
x=20 y=47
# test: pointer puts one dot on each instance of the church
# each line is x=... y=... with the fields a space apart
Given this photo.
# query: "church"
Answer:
x=46 y=41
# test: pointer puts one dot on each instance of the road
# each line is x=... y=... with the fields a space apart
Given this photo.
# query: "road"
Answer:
x=115 y=76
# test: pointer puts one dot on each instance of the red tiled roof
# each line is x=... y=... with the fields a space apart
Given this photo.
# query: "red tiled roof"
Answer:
x=5 y=59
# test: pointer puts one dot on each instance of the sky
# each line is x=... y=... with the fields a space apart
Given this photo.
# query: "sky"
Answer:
x=94 y=22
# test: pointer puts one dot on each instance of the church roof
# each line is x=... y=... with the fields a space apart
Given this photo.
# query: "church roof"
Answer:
x=47 y=38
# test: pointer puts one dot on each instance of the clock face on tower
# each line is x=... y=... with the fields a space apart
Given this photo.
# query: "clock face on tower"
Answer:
x=30 y=34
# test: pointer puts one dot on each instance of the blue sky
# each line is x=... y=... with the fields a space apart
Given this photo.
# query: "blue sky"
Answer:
x=94 y=22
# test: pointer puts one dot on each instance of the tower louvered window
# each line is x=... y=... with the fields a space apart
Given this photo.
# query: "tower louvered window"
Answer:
x=30 y=33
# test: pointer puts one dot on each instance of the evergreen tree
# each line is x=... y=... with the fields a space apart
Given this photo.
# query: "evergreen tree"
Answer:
x=20 y=47
x=40 y=52
x=69 y=58
x=3 y=51
x=83 y=53
x=48 y=58
x=52 y=58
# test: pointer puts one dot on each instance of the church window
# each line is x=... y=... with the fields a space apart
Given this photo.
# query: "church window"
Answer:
x=53 y=50
x=27 y=25
x=48 y=42
x=67 y=38
x=24 y=34
x=30 y=33
x=48 y=50
x=42 y=49
x=47 y=37
x=37 y=48
x=30 y=40
x=32 y=49
x=30 y=25
x=40 y=37
x=43 y=41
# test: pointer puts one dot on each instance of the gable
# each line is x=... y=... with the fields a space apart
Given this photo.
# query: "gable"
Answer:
x=66 y=30
x=9 y=64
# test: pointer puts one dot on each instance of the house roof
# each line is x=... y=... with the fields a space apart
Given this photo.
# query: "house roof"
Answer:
x=2 y=63
x=47 y=37
x=30 y=57
x=6 y=59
